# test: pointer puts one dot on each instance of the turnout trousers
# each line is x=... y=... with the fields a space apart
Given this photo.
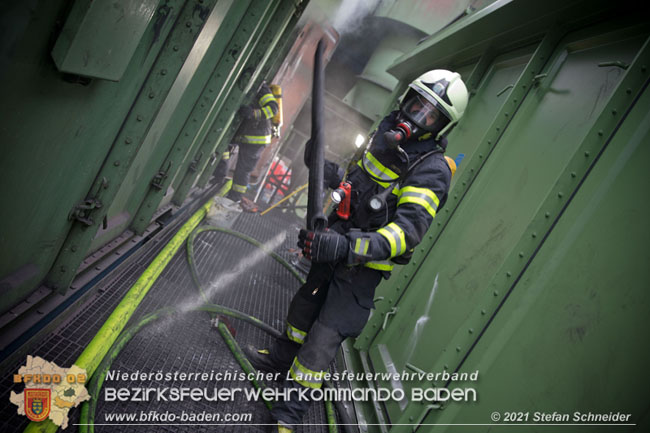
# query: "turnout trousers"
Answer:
x=248 y=155
x=333 y=304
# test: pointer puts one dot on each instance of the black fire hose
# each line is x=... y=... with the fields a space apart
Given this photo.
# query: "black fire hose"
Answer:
x=316 y=219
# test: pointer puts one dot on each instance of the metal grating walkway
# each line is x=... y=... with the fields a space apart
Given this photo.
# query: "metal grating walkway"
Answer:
x=241 y=278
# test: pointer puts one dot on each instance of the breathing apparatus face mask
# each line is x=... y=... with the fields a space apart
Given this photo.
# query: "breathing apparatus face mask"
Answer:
x=417 y=117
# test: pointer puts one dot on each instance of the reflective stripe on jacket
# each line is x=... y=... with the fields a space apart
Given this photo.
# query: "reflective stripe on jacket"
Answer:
x=410 y=207
x=258 y=130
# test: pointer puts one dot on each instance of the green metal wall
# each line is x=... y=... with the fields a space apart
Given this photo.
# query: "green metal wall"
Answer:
x=578 y=316
x=534 y=271
x=115 y=147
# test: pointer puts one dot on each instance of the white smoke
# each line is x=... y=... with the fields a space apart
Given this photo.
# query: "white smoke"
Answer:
x=349 y=15
x=226 y=279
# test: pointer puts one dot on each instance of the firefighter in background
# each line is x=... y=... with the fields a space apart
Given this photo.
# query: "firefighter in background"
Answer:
x=255 y=132
x=397 y=188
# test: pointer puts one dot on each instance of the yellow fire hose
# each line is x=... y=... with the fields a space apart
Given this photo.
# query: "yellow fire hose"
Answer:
x=113 y=326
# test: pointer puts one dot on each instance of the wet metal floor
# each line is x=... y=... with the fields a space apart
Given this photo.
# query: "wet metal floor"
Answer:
x=238 y=276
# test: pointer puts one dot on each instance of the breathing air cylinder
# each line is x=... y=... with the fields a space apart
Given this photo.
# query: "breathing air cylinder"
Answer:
x=277 y=119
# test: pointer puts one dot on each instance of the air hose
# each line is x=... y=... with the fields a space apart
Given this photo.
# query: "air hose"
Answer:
x=242 y=360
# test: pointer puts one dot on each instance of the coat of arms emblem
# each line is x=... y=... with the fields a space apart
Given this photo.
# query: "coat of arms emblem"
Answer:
x=37 y=403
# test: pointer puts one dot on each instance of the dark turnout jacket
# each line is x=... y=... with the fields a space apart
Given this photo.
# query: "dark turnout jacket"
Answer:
x=257 y=129
x=419 y=191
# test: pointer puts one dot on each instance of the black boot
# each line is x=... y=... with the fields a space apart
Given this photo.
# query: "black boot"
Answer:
x=260 y=359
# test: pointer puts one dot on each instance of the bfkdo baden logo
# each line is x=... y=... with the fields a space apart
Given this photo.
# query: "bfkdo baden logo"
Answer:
x=37 y=403
x=50 y=391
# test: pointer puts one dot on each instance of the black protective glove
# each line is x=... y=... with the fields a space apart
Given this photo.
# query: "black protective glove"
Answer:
x=332 y=175
x=246 y=111
x=323 y=247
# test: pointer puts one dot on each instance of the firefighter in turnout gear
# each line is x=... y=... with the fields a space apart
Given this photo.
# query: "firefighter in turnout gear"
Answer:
x=253 y=134
x=397 y=188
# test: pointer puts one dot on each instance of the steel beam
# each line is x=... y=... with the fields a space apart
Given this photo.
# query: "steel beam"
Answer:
x=229 y=95
x=473 y=35
x=180 y=142
x=88 y=215
x=98 y=110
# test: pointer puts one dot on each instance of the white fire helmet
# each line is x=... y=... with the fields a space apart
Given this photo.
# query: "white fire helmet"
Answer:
x=443 y=89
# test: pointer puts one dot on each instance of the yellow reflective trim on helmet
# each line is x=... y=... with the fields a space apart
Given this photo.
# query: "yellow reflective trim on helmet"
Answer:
x=304 y=376
x=379 y=265
x=265 y=99
x=295 y=334
x=395 y=237
x=420 y=196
